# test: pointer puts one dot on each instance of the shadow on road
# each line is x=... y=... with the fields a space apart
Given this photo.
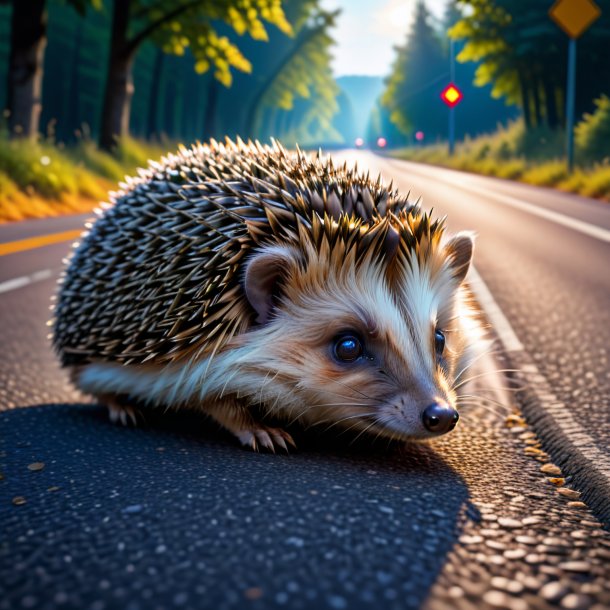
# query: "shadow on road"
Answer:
x=174 y=513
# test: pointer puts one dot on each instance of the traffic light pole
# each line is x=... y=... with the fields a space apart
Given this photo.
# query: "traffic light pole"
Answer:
x=570 y=94
x=452 y=109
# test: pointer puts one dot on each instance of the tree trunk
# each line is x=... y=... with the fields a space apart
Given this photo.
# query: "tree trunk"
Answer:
x=155 y=93
x=537 y=105
x=550 y=99
x=525 y=102
x=119 y=82
x=209 y=119
x=28 y=42
x=169 y=99
x=189 y=98
x=74 y=97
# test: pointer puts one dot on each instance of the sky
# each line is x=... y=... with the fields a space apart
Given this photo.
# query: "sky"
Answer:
x=368 y=30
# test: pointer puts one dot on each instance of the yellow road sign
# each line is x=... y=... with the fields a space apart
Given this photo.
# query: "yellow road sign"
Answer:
x=574 y=16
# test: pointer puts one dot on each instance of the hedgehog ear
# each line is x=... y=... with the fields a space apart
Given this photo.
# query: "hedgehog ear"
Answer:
x=459 y=249
x=264 y=272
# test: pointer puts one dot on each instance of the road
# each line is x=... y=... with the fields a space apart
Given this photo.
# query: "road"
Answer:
x=175 y=515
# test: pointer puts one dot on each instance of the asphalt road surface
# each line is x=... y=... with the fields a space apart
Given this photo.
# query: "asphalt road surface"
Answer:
x=175 y=515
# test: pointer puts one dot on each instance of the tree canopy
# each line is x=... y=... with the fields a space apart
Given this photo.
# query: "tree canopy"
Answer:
x=419 y=65
x=522 y=54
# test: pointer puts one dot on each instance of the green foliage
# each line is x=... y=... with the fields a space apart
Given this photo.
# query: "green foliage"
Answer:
x=522 y=55
x=546 y=174
x=81 y=6
x=37 y=167
x=420 y=64
x=516 y=153
x=597 y=183
x=420 y=72
x=296 y=100
x=129 y=155
x=592 y=134
x=176 y=25
x=86 y=153
x=52 y=171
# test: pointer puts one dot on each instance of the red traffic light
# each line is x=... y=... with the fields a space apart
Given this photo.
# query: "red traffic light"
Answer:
x=451 y=95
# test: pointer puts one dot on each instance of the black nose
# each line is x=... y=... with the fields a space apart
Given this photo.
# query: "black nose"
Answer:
x=439 y=418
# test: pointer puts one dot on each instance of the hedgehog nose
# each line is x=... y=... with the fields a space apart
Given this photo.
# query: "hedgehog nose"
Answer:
x=440 y=418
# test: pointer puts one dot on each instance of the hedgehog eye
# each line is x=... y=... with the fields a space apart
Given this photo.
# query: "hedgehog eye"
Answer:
x=439 y=341
x=348 y=348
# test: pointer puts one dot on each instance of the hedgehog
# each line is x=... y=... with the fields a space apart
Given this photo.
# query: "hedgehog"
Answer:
x=263 y=286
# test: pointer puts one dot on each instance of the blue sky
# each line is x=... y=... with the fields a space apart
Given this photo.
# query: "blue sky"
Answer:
x=368 y=30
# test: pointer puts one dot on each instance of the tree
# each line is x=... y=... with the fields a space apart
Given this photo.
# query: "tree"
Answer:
x=272 y=100
x=522 y=54
x=304 y=73
x=175 y=25
x=25 y=74
x=420 y=69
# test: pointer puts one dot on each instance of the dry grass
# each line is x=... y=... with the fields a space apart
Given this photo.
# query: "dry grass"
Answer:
x=515 y=154
x=40 y=179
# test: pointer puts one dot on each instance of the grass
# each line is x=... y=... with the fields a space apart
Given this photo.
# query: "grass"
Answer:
x=41 y=179
x=514 y=153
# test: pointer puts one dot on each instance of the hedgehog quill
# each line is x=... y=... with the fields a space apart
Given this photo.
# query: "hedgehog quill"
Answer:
x=241 y=279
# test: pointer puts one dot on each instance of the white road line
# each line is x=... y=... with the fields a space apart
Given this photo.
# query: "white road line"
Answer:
x=25 y=280
x=494 y=313
x=575 y=434
x=560 y=219
x=582 y=442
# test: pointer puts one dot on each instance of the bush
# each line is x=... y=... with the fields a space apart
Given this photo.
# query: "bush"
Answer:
x=88 y=155
x=546 y=174
x=503 y=154
x=132 y=154
x=592 y=134
x=598 y=183
x=37 y=167
x=512 y=169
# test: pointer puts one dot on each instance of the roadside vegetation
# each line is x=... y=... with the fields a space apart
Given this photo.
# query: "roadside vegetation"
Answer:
x=534 y=156
x=43 y=179
x=130 y=74
x=512 y=50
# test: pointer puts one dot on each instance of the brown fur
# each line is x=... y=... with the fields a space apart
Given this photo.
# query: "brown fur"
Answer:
x=245 y=314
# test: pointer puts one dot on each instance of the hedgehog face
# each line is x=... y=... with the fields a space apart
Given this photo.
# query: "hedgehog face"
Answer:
x=350 y=344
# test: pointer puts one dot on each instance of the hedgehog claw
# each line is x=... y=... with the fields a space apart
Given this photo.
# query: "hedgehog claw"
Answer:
x=280 y=442
x=265 y=438
x=120 y=413
x=247 y=439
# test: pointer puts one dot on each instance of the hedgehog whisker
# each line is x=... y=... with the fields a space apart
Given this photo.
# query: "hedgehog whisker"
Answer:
x=330 y=404
x=354 y=425
x=355 y=389
x=489 y=352
x=480 y=397
x=373 y=423
x=487 y=408
x=493 y=388
x=475 y=401
x=468 y=379
x=344 y=419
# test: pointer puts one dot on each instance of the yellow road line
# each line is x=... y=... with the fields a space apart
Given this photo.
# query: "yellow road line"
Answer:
x=37 y=242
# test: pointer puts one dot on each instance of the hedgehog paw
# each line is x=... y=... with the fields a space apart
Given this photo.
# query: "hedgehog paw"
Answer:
x=121 y=413
x=261 y=437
